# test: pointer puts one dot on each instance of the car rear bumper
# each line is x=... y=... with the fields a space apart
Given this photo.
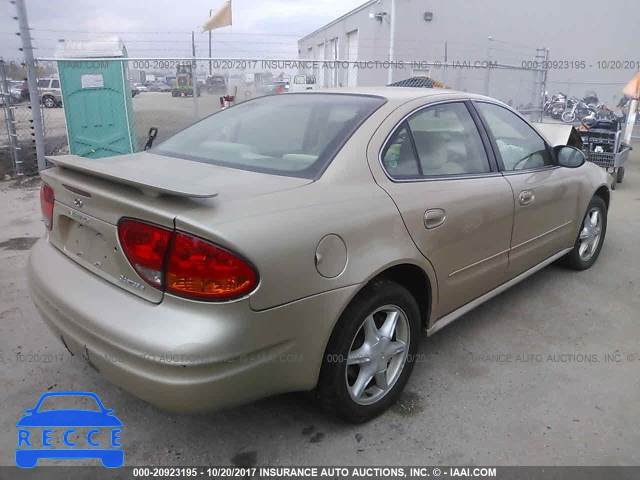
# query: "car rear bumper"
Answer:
x=183 y=355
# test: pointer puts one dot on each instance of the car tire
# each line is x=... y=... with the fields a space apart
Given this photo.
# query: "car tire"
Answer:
x=590 y=238
x=48 y=101
x=344 y=389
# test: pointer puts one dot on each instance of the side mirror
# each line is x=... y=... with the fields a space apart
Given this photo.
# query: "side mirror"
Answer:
x=569 y=157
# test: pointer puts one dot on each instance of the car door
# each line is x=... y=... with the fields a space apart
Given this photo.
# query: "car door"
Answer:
x=545 y=195
x=456 y=206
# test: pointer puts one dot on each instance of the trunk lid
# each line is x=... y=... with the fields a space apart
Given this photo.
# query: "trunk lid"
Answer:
x=92 y=195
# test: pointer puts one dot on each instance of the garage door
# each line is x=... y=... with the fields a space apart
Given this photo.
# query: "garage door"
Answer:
x=352 y=56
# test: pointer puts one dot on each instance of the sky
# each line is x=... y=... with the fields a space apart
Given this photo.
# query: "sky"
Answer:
x=260 y=26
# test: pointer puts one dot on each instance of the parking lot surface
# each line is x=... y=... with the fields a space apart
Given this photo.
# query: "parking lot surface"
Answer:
x=547 y=373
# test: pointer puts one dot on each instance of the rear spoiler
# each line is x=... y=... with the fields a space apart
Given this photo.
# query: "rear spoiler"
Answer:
x=153 y=175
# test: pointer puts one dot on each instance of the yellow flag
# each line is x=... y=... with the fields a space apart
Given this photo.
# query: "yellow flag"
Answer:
x=221 y=18
x=632 y=89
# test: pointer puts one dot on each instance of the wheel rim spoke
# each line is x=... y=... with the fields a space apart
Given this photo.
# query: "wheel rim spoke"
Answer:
x=358 y=357
x=364 y=377
x=396 y=348
x=389 y=326
x=371 y=334
x=583 y=248
x=381 y=380
x=584 y=234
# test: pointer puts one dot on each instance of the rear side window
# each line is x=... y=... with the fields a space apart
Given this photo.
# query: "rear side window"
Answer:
x=441 y=140
x=447 y=141
x=292 y=134
x=398 y=157
x=55 y=83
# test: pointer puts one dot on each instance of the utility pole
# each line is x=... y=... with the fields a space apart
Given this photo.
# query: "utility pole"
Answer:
x=210 y=65
x=392 y=34
x=446 y=59
x=194 y=78
x=32 y=80
x=487 y=73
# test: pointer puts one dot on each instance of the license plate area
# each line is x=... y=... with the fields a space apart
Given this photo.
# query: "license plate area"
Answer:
x=93 y=244
x=88 y=244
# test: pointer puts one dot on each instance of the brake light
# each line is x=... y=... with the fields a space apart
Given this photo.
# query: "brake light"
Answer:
x=145 y=246
x=47 y=199
x=201 y=270
x=184 y=265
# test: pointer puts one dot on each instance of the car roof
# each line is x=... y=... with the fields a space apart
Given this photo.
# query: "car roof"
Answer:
x=399 y=95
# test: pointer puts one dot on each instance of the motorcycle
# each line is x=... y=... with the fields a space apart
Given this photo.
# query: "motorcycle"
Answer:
x=579 y=110
x=603 y=112
x=555 y=105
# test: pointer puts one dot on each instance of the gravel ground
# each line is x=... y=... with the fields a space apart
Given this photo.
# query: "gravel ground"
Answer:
x=522 y=380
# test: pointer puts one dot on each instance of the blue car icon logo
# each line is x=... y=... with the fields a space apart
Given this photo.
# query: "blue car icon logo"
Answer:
x=81 y=433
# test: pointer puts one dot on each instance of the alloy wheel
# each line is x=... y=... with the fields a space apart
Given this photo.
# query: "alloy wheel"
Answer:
x=377 y=355
x=590 y=234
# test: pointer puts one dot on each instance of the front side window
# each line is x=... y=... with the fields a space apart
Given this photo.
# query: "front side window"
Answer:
x=55 y=83
x=293 y=135
x=520 y=146
x=42 y=83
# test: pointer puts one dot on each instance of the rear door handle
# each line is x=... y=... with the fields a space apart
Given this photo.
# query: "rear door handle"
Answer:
x=434 y=218
x=526 y=197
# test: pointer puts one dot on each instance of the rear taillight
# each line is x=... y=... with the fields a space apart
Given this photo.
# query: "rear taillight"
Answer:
x=185 y=265
x=145 y=246
x=47 y=199
x=199 y=269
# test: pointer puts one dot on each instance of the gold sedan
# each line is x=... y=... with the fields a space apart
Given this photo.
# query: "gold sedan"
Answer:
x=304 y=241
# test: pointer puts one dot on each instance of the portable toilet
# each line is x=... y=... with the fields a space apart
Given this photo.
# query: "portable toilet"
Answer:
x=96 y=94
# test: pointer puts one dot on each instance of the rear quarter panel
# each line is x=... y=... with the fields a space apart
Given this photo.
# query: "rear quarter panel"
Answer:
x=279 y=232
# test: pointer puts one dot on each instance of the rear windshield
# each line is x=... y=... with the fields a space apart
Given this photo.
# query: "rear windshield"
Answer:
x=290 y=134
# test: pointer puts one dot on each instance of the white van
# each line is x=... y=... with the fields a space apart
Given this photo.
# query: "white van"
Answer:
x=300 y=83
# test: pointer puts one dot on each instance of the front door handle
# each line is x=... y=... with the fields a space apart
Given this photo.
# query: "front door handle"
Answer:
x=526 y=197
x=434 y=218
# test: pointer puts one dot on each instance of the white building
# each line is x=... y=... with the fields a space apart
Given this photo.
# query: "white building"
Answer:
x=468 y=32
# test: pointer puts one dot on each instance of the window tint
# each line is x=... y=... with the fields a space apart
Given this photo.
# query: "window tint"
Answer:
x=447 y=141
x=43 y=83
x=295 y=135
x=55 y=83
x=398 y=157
x=519 y=144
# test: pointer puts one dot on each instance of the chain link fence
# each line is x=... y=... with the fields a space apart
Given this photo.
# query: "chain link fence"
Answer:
x=17 y=146
x=164 y=97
